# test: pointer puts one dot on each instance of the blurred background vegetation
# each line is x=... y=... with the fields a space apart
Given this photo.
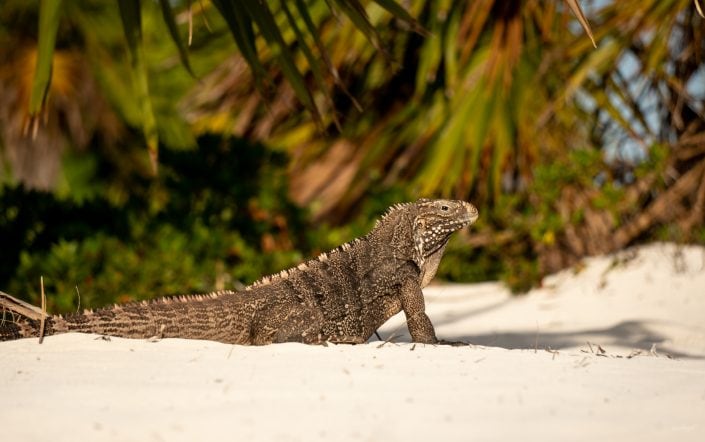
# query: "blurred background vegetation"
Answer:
x=154 y=148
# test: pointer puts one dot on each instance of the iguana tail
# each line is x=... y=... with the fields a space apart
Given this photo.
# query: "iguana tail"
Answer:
x=19 y=319
x=219 y=316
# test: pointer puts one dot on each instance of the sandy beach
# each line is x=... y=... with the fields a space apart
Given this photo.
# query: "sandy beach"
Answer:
x=613 y=349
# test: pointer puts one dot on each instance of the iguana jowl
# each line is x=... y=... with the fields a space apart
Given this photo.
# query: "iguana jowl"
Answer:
x=341 y=296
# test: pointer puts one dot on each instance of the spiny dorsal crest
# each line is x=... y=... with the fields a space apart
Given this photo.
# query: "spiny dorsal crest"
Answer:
x=190 y=298
x=425 y=240
x=324 y=257
x=165 y=300
x=392 y=209
x=284 y=274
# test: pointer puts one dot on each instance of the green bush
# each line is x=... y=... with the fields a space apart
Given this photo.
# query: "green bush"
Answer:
x=166 y=261
x=216 y=217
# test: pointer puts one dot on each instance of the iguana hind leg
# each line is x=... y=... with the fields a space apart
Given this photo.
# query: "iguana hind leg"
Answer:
x=288 y=322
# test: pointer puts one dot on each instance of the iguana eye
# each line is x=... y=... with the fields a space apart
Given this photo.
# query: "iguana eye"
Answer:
x=444 y=208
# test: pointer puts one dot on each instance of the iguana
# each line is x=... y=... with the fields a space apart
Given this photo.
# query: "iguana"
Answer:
x=341 y=296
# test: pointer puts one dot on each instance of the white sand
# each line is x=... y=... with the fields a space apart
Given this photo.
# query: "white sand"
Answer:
x=76 y=387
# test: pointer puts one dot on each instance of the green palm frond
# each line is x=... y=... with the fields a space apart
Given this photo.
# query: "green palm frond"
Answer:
x=496 y=87
x=287 y=32
x=132 y=24
x=49 y=16
x=170 y=20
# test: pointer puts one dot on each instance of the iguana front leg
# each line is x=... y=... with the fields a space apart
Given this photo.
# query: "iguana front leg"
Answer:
x=412 y=302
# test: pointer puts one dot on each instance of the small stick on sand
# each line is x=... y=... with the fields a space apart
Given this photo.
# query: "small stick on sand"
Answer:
x=388 y=340
x=78 y=307
x=44 y=310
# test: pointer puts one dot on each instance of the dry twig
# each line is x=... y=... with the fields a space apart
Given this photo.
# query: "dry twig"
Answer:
x=44 y=310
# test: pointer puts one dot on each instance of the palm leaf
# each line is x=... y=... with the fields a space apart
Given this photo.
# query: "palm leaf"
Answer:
x=357 y=14
x=131 y=16
x=430 y=53
x=311 y=28
x=170 y=21
x=400 y=13
x=49 y=14
x=262 y=16
x=243 y=34
x=577 y=10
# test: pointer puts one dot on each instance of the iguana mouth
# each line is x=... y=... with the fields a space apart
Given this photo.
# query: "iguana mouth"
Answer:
x=472 y=214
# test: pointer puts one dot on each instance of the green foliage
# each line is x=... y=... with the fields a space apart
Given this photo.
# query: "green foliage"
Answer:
x=218 y=216
x=501 y=103
x=456 y=113
x=165 y=261
x=248 y=20
x=699 y=235
x=521 y=274
x=462 y=263
x=49 y=14
x=131 y=15
x=657 y=160
x=535 y=221
x=579 y=168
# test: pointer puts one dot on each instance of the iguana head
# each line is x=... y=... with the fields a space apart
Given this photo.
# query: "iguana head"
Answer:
x=420 y=230
x=436 y=220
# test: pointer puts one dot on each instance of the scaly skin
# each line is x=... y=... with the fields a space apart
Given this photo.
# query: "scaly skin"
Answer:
x=340 y=296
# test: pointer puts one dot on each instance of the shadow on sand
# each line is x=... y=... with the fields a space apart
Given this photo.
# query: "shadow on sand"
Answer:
x=629 y=334
x=634 y=334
